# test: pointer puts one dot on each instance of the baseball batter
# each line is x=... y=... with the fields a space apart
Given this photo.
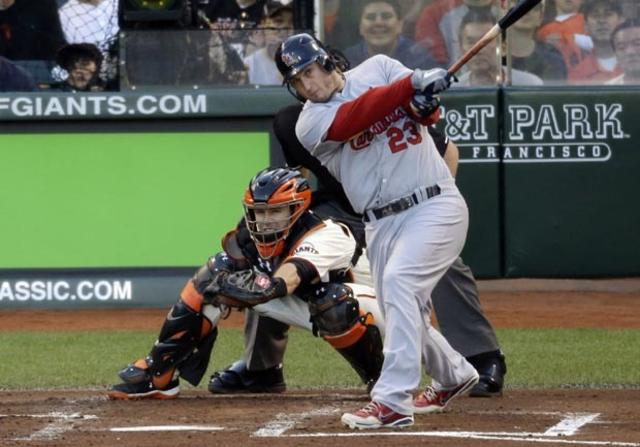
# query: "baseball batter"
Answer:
x=362 y=126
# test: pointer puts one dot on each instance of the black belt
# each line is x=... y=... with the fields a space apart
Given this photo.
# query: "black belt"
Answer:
x=402 y=204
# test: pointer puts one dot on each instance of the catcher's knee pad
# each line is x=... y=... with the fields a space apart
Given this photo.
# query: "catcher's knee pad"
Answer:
x=336 y=317
x=334 y=312
x=210 y=271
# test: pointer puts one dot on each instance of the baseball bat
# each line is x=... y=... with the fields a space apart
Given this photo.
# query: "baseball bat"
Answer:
x=512 y=16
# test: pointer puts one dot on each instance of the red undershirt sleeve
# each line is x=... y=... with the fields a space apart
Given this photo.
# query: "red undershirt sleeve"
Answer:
x=359 y=114
x=372 y=106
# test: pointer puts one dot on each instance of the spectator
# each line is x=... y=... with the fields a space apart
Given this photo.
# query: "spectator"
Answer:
x=410 y=12
x=449 y=25
x=566 y=31
x=381 y=31
x=82 y=61
x=278 y=24
x=427 y=32
x=600 y=64
x=626 y=42
x=484 y=69
x=29 y=29
x=90 y=21
x=236 y=21
x=14 y=78
x=341 y=22
x=94 y=22
x=235 y=14
x=528 y=54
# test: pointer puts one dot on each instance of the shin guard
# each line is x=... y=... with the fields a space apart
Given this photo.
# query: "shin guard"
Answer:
x=183 y=346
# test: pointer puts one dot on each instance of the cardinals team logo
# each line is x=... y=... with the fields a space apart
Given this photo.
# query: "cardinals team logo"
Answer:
x=290 y=59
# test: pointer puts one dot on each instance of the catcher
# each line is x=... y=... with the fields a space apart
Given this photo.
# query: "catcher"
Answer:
x=284 y=262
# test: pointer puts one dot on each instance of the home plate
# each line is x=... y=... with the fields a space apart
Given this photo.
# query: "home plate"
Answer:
x=148 y=428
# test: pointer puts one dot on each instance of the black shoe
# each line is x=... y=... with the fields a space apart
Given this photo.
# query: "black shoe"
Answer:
x=492 y=368
x=134 y=374
x=144 y=390
x=238 y=379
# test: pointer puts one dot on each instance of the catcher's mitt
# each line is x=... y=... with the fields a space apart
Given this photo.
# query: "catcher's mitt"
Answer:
x=245 y=288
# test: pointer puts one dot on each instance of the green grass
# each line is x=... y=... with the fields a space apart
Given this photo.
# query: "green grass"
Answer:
x=572 y=357
x=536 y=358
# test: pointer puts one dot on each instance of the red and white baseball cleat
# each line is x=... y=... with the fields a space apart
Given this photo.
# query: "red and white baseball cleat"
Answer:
x=435 y=401
x=376 y=415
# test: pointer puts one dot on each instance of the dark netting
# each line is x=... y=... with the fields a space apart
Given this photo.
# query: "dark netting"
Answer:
x=198 y=58
x=33 y=32
x=83 y=22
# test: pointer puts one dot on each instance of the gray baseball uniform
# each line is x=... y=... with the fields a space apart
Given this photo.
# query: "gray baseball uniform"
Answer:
x=417 y=223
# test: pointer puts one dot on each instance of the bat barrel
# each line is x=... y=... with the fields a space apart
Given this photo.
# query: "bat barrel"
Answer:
x=479 y=45
x=516 y=12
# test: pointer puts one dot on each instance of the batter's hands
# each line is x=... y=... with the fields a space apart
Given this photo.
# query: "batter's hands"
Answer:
x=431 y=82
x=423 y=105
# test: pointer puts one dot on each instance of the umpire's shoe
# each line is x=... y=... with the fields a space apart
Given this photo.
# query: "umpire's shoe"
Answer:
x=238 y=379
x=492 y=368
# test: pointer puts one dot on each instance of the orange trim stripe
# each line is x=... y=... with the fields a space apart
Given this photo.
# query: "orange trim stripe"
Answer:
x=350 y=337
x=177 y=335
x=191 y=296
x=141 y=363
x=163 y=380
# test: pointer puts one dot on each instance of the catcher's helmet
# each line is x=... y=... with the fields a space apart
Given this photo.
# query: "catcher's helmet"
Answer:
x=274 y=201
x=296 y=53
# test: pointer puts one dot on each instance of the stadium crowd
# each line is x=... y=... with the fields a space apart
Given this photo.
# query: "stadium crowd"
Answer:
x=89 y=45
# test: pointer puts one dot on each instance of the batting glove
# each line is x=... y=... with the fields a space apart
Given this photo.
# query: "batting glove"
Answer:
x=431 y=82
x=424 y=105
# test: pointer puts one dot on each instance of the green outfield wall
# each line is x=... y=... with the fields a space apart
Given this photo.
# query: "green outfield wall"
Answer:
x=113 y=200
x=93 y=200
x=571 y=160
x=471 y=121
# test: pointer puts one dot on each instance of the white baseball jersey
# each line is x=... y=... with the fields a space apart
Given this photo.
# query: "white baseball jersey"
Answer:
x=328 y=248
x=390 y=160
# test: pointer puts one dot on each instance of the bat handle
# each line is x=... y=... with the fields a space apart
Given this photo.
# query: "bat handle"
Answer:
x=475 y=49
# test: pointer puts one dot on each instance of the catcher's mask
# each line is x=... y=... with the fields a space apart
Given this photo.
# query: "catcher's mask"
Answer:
x=296 y=53
x=274 y=201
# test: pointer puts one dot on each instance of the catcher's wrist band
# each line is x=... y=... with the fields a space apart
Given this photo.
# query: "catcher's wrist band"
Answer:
x=279 y=287
x=307 y=272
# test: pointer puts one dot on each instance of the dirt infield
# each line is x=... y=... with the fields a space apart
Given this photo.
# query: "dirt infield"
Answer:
x=76 y=418
x=520 y=418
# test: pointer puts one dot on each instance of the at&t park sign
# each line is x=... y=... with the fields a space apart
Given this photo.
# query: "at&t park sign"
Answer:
x=543 y=133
